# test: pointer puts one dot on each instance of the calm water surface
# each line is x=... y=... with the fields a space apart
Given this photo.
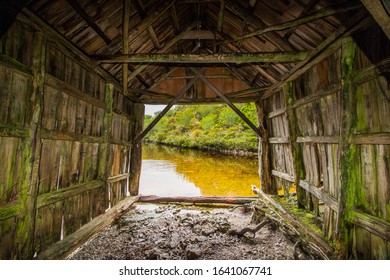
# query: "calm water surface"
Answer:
x=168 y=171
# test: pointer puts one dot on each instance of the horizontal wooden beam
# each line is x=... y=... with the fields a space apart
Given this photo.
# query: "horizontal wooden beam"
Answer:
x=142 y=92
x=316 y=96
x=277 y=113
x=69 y=136
x=216 y=100
x=319 y=139
x=300 y=21
x=279 y=140
x=283 y=175
x=245 y=91
x=197 y=199
x=326 y=198
x=11 y=62
x=372 y=72
x=73 y=91
x=238 y=58
x=377 y=226
x=62 y=194
x=63 y=248
x=118 y=178
x=7 y=130
x=215 y=76
x=10 y=210
x=371 y=139
x=121 y=142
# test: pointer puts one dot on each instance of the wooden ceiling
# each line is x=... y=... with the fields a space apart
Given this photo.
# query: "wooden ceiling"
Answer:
x=245 y=48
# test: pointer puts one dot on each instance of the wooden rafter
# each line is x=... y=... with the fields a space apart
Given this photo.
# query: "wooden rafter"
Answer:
x=251 y=19
x=227 y=101
x=169 y=106
x=220 y=15
x=152 y=34
x=136 y=31
x=297 y=22
x=306 y=10
x=176 y=28
x=167 y=46
x=264 y=57
x=380 y=13
x=327 y=47
x=76 y=5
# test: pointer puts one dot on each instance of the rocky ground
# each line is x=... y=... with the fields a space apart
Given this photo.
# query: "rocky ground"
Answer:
x=175 y=232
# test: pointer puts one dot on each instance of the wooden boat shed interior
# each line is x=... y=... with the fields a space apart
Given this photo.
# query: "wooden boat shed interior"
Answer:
x=75 y=76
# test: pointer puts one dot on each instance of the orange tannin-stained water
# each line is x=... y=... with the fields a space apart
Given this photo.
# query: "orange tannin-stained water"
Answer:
x=168 y=171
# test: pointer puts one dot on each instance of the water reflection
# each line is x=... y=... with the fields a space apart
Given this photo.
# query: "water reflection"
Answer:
x=168 y=171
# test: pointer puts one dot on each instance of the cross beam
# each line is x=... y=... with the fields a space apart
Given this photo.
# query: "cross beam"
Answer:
x=264 y=57
x=228 y=102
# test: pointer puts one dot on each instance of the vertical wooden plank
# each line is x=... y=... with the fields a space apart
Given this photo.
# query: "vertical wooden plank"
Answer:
x=264 y=151
x=347 y=151
x=383 y=179
x=104 y=162
x=24 y=235
x=125 y=43
x=136 y=150
x=298 y=165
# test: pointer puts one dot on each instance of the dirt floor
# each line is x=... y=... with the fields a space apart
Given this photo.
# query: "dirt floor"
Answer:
x=172 y=232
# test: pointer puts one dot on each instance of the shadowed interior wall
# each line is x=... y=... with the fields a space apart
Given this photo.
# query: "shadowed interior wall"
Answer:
x=66 y=137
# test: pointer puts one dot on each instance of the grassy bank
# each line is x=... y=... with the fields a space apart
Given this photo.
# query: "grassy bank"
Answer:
x=208 y=127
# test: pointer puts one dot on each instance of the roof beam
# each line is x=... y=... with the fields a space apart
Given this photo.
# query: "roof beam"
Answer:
x=326 y=48
x=227 y=101
x=264 y=57
x=169 y=106
x=306 y=10
x=167 y=46
x=141 y=10
x=380 y=12
x=89 y=20
x=199 y=35
x=251 y=19
x=297 y=22
x=137 y=30
x=220 y=15
x=246 y=91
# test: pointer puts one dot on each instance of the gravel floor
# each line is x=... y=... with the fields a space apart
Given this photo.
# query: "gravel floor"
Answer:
x=175 y=232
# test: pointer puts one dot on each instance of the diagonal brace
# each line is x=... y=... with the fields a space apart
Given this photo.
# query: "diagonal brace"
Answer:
x=228 y=102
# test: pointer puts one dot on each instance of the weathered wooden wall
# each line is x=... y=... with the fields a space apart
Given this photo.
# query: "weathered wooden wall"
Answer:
x=66 y=135
x=329 y=135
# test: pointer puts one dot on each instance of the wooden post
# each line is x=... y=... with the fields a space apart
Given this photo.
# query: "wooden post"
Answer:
x=29 y=180
x=104 y=164
x=299 y=172
x=125 y=43
x=136 y=150
x=264 y=152
x=346 y=154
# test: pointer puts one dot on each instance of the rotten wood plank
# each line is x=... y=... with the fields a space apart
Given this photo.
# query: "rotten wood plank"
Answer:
x=119 y=177
x=7 y=130
x=63 y=248
x=319 y=139
x=326 y=198
x=279 y=140
x=283 y=175
x=376 y=226
x=370 y=139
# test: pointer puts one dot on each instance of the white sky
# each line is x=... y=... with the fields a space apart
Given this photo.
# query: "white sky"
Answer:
x=150 y=109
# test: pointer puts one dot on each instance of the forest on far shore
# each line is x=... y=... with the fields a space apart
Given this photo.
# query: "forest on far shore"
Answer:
x=215 y=127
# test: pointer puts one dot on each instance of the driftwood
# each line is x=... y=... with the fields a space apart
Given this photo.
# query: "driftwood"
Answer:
x=197 y=199
x=253 y=230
